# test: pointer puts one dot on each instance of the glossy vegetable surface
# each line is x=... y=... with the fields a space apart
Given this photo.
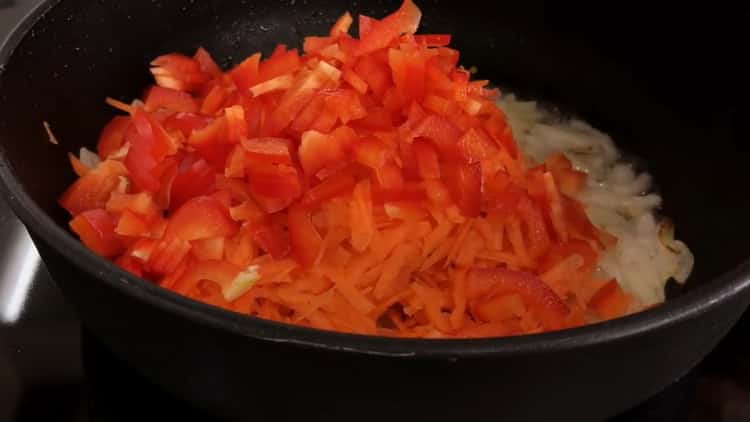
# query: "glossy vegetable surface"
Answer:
x=368 y=185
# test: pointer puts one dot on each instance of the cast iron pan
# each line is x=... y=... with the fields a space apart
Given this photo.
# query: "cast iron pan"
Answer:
x=666 y=91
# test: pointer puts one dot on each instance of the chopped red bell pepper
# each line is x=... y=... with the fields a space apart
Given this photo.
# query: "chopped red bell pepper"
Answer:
x=97 y=231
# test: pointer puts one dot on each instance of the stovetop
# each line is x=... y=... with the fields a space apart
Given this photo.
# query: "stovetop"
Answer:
x=53 y=369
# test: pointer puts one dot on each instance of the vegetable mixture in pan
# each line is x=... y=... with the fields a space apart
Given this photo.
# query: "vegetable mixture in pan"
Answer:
x=370 y=186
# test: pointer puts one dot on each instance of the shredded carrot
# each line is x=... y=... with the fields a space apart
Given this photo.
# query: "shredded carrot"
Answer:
x=361 y=220
x=515 y=236
x=558 y=218
x=458 y=243
x=438 y=255
x=457 y=317
x=50 y=135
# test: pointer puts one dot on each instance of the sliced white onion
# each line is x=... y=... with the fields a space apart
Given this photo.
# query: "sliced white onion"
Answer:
x=616 y=199
x=52 y=138
x=88 y=158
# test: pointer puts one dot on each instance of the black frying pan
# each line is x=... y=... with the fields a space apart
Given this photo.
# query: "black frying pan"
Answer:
x=666 y=83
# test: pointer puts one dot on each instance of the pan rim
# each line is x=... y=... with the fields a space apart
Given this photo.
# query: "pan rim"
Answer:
x=692 y=304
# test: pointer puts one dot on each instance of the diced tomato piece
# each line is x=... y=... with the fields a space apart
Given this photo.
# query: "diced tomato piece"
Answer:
x=112 y=136
x=201 y=217
x=427 y=159
x=305 y=240
x=246 y=74
x=270 y=150
x=540 y=298
x=170 y=99
x=381 y=33
x=272 y=240
x=465 y=183
x=96 y=230
x=610 y=301
x=93 y=189
x=195 y=177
